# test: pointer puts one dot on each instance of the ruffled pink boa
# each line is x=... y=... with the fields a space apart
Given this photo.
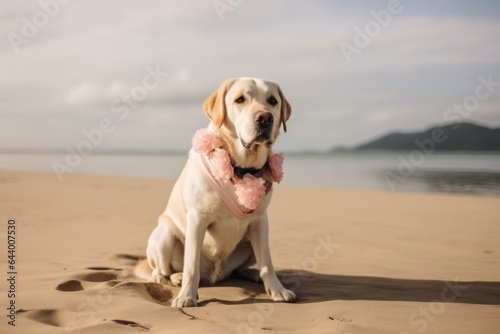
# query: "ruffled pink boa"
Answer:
x=250 y=190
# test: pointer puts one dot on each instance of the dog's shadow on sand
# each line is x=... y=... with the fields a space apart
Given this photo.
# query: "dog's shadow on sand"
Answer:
x=313 y=287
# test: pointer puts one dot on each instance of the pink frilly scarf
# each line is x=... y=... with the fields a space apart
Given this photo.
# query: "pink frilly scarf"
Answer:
x=241 y=195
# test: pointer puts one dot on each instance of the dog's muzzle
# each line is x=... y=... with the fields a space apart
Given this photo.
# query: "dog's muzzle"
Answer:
x=263 y=122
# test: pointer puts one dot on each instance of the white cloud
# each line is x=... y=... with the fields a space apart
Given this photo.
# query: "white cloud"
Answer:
x=85 y=93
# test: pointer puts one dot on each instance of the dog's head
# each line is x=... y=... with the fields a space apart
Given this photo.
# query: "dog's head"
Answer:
x=248 y=114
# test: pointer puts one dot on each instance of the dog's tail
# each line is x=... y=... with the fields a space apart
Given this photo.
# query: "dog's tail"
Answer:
x=143 y=270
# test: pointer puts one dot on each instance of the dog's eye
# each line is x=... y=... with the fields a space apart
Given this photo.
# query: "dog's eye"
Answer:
x=272 y=101
x=240 y=99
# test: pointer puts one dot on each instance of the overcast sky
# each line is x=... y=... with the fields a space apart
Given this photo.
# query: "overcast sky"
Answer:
x=76 y=67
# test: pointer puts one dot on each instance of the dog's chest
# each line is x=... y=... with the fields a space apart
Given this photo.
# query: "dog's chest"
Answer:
x=222 y=237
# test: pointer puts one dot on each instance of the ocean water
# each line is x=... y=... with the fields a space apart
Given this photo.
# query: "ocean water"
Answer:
x=462 y=173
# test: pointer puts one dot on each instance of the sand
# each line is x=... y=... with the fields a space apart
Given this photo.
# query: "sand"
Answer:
x=359 y=261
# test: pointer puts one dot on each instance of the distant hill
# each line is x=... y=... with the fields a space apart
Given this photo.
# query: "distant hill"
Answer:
x=452 y=137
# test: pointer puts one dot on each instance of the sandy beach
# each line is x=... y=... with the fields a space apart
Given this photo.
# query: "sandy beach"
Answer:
x=359 y=261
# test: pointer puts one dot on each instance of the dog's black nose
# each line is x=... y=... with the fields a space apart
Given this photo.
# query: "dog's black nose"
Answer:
x=264 y=119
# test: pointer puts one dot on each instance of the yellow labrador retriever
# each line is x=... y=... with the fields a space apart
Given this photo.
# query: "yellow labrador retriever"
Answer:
x=198 y=237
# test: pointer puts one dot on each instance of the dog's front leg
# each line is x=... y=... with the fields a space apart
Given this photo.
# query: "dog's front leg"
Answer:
x=195 y=231
x=259 y=237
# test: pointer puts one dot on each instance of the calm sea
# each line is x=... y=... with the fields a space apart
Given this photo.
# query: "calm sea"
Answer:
x=477 y=174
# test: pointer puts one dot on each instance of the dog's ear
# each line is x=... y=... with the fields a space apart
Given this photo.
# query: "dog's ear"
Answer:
x=215 y=107
x=286 y=109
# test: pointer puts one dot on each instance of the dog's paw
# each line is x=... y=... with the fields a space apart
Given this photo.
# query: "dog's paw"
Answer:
x=184 y=302
x=158 y=279
x=176 y=279
x=283 y=295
